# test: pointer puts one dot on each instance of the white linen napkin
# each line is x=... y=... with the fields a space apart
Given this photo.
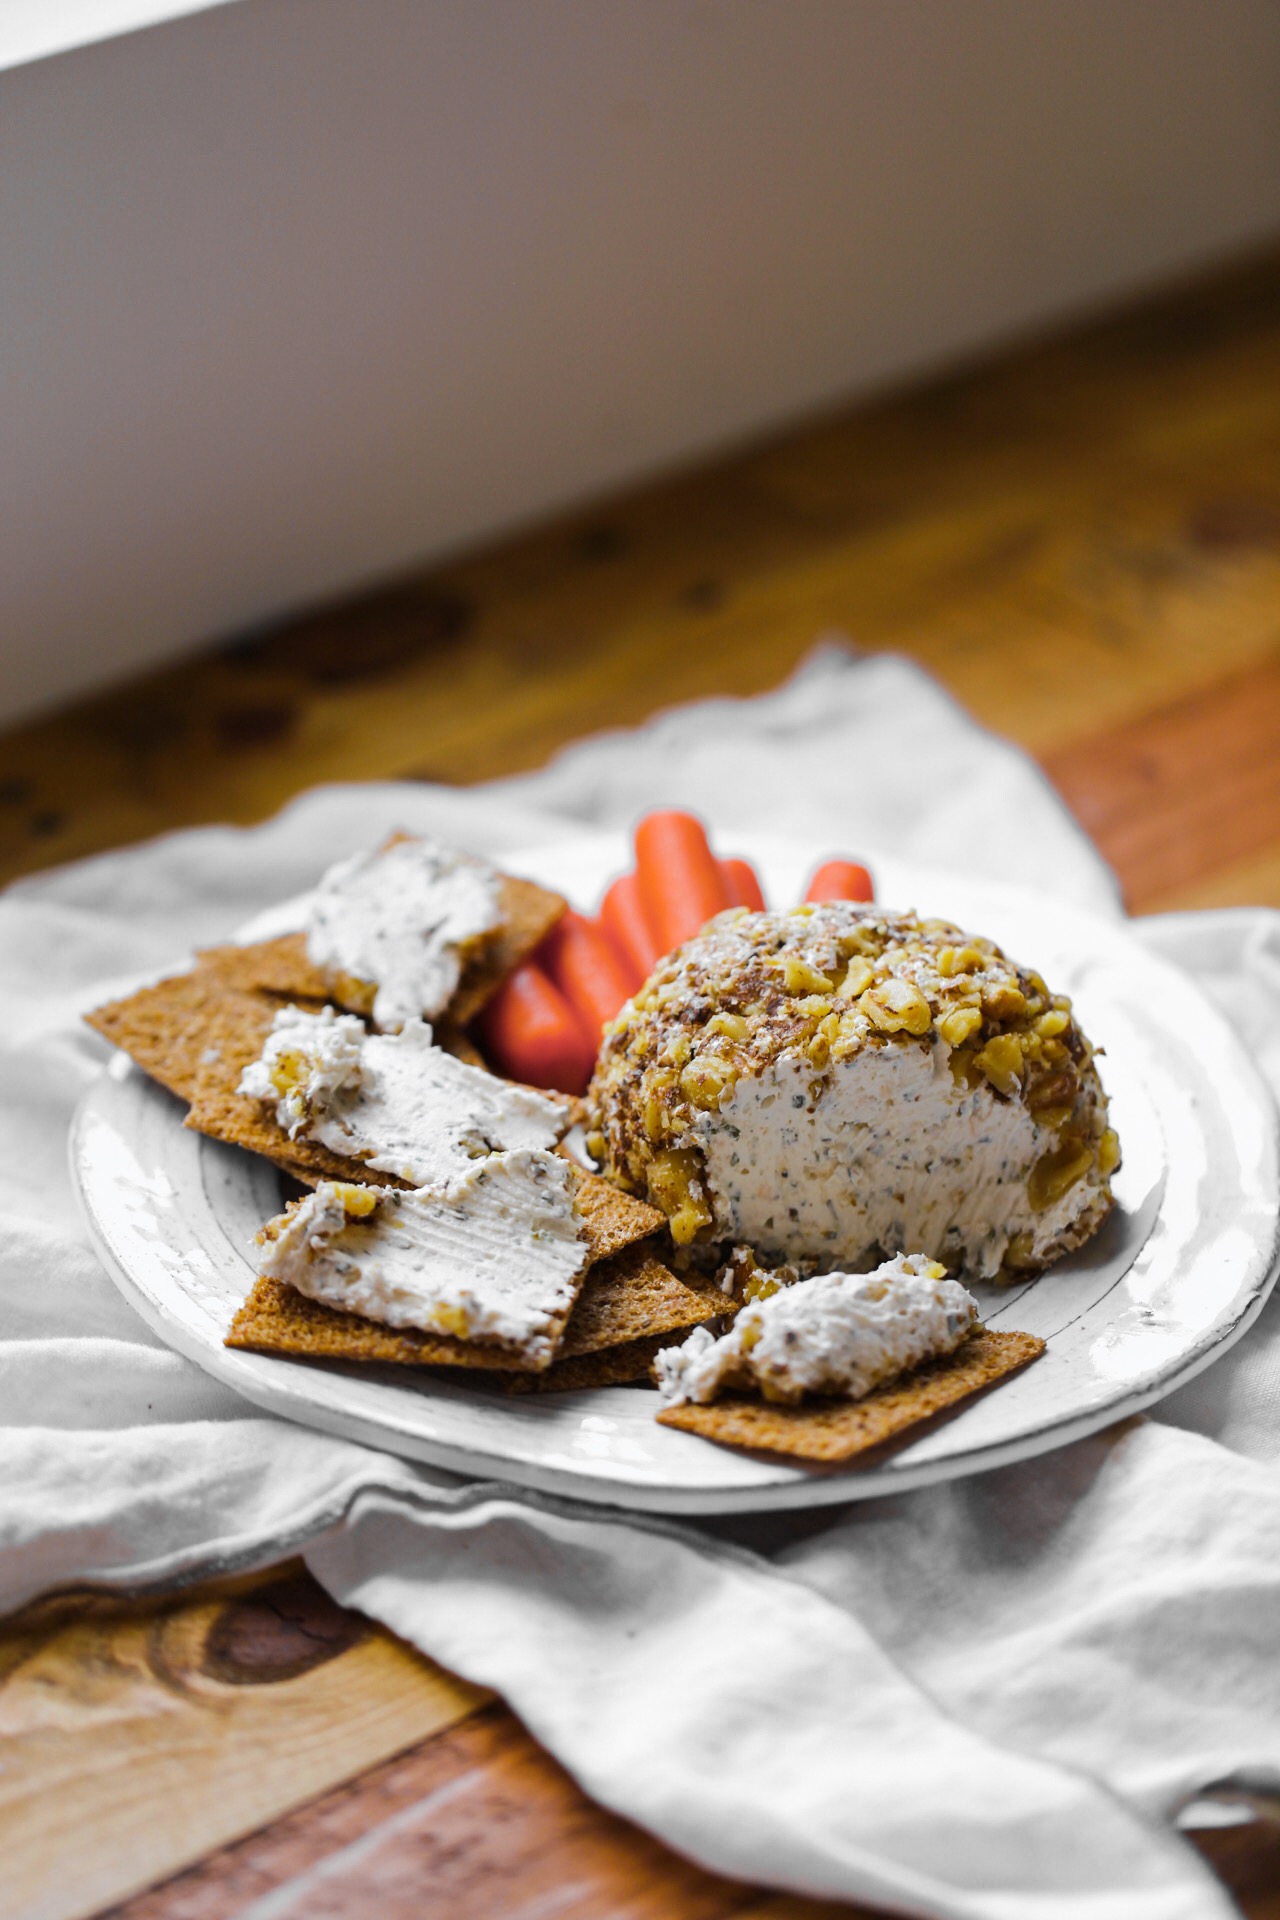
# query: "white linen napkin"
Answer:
x=984 y=1699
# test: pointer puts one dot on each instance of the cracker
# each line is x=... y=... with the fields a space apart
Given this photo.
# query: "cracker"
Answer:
x=237 y=1024
x=613 y=1220
x=610 y=1367
x=630 y=1296
x=282 y=966
x=276 y=1318
x=277 y=966
x=163 y=1028
x=831 y=1432
x=528 y=914
x=627 y=1311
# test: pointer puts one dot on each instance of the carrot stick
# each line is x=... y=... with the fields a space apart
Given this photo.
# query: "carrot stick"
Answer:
x=626 y=923
x=744 y=887
x=529 y=1031
x=680 y=878
x=581 y=961
x=840 y=880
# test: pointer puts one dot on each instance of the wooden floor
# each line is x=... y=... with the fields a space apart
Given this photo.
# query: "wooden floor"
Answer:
x=1082 y=540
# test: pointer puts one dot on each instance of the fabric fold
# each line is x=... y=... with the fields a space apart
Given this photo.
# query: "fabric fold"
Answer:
x=756 y=1728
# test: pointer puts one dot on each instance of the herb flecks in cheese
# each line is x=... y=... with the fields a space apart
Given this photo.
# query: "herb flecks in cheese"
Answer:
x=403 y=920
x=308 y=1060
x=497 y=1258
x=838 y=1082
x=839 y=1334
x=397 y=1102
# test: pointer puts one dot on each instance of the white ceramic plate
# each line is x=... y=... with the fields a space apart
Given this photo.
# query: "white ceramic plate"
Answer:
x=1176 y=1276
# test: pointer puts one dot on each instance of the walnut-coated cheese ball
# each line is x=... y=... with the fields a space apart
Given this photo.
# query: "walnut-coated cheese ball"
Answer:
x=838 y=1084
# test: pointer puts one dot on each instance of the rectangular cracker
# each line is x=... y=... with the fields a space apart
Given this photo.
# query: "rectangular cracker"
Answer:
x=831 y=1432
x=282 y=966
x=276 y=1318
x=164 y=1027
x=630 y=1295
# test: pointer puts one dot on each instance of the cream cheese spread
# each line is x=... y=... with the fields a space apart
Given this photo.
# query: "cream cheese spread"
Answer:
x=397 y=1102
x=400 y=920
x=839 y=1334
x=308 y=1059
x=497 y=1258
x=886 y=1150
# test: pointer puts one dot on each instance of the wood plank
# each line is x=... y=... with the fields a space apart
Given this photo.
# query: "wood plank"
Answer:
x=1177 y=796
x=1068 y=536
x=135 y=1737
x=1253 y=882
x=1247 y=1861
x=478 y=1821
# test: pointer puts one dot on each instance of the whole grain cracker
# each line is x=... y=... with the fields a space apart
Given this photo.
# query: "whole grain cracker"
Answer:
x=831 y=1432
x=278 y=966
x=282 y=966
x=276 y=1318
x=630 y=1295
x=164 y=1028
x=610 y=1367
x=528 y=914
x=613 y=1220
x=237 y=1024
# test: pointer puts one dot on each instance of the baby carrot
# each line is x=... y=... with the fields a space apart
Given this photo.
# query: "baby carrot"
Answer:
x=744 y=887
x=841 y=880
x=582 y=963
x=529 y=1031
x=626 y=923
x=680 y=878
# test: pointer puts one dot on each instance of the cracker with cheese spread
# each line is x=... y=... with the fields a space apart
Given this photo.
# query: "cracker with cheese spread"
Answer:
x=315 y=1091
x=828 y=1367
x=601 y=1344
x=437 y=938
x=832 y=1432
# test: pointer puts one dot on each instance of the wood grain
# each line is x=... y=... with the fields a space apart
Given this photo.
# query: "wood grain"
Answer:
x=135 y=1737
x=1070 y=536
x=415 y=1840
x=1172 y=798
x=479 y=1821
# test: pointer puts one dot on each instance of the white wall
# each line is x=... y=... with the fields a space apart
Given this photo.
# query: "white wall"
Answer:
x=297 y=291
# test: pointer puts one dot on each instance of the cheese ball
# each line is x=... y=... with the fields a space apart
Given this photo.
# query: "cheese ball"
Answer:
x=838 y=1084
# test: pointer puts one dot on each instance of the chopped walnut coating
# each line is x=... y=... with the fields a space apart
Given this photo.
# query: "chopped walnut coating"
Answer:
x=817 y=986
